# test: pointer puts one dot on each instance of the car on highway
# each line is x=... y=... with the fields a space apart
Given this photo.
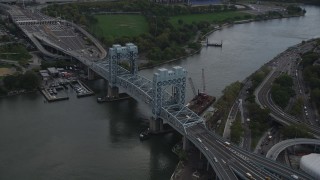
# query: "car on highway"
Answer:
x=249 y=176
x=294 y=176
x=199 y=140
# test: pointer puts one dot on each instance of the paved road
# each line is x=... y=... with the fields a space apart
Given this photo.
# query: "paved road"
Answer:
x=279 y=147
x=263 y=96
x=231 y=159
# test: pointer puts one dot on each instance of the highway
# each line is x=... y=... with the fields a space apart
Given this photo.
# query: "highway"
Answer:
x=279 y=147
x=230 y=157
x=263 y=95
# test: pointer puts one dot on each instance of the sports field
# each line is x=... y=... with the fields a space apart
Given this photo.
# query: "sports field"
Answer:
x=120 y=25
x=210 y=17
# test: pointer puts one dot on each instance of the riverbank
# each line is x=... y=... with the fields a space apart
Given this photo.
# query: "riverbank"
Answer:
x=215 y=28
x=269 y=64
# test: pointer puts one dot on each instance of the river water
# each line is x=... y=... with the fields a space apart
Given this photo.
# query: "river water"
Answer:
x=81 y=139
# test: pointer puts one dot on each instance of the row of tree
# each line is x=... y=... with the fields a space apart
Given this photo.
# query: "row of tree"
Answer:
x=281 y=90
x=27 y=81
x=223 y=104
x=16 y=52
x=311 y=75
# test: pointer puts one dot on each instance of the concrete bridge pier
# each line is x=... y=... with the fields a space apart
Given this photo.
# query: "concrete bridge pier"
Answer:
x=185 y=143
x=113 y=91
x=155 y=125
x=90 y=74
x=208 y=166
x=105 y=86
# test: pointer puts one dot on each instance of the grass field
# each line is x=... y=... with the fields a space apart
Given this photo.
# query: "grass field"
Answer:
x=120 y=25
x=6 y=71
x=211 y=17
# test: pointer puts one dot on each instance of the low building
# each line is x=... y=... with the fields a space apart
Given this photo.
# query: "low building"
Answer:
x=53 y=71
x=311 y=165
x=45 y=76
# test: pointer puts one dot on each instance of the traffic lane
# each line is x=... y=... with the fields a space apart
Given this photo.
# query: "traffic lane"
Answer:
x=243 y=163
x=273 y=165
x=220 y=167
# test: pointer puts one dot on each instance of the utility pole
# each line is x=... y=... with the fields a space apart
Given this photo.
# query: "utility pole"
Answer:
x=203 y=81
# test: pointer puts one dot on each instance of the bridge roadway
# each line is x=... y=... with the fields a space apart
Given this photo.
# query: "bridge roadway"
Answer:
x=263 y=95
x=274 y=152
x=231 y=160
x=237 y=159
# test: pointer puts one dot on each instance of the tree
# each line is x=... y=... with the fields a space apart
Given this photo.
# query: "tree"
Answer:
x=296 y=131
x=11 y=82
x=30 y=80
x=297 y=107
x=236 y=131
x=281 y=90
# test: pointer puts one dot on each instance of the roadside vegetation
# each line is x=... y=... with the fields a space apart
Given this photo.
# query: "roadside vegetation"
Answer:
x=297 y=108
x=259 y=118
x=223 y=105
x=281 y=90
x=311 y=75
x=259 y=122
x=5 y=38
x=295 y=131
x=236 y=130
x=256 y=80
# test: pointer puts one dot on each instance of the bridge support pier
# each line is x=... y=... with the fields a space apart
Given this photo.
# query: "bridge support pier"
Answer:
x=113 y=91
x=90 y=74
x=185 y=143
x=156 y=125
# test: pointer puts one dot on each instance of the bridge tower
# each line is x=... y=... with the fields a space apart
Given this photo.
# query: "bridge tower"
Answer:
x=117 y=54
x=163 y=78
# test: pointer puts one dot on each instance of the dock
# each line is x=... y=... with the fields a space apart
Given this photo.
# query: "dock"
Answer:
x=52 y=98
x=81 y=89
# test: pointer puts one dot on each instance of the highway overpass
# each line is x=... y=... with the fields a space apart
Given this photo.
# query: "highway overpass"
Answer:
x=274 y=152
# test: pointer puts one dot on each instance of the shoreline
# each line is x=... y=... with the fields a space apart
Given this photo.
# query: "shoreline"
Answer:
x=220 y=27
x=180 y=168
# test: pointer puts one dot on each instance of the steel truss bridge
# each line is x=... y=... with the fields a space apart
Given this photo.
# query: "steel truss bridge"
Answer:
x=228 y=161
x=165 y=95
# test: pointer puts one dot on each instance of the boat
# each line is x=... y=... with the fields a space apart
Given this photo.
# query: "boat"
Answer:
x=144 y=135
x=54 y=91
x=214 y=44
